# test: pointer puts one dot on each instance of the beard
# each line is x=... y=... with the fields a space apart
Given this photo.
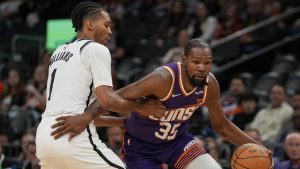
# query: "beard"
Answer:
x=194 y=82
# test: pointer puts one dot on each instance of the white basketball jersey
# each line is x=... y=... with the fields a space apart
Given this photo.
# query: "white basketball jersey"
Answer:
x=75 y=70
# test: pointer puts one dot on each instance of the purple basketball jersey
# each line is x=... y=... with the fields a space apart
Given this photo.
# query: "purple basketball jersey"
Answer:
x=180 y=106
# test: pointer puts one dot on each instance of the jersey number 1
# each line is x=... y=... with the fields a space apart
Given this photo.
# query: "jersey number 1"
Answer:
x=51 y=83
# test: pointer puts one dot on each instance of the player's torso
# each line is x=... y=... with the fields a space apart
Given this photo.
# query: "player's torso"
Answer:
x=69 y=86
x=180 y=106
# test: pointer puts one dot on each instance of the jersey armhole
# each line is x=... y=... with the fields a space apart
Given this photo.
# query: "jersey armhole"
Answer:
x=205 y=90
x=172 y=86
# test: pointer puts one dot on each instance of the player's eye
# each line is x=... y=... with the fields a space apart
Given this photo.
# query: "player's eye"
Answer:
x=195 y=62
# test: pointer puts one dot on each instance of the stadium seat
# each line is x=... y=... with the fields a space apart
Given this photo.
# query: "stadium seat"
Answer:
x=284 y=64
x=293 y=83
x=249 y=79
x=265 y=83
x=128 y=68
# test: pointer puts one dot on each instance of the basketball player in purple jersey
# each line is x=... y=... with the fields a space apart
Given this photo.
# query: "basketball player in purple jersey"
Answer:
x=182 y=88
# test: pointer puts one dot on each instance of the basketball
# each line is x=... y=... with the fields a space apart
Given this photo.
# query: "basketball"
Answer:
x=250 y=156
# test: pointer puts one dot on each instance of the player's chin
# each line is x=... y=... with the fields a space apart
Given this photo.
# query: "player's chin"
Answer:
x=199 y=79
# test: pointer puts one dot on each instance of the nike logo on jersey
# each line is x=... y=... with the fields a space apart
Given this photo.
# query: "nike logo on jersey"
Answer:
x=175 y=95
x=199 y=92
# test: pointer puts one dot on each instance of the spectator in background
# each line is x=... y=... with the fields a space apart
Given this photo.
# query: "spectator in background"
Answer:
x=6 y=131
x=292 y=148
x=296 y=100
x=230 y=99
x=160 y=9
x=249 y=105
x=116 y=45
x=8 y=162
x=36 y=98
x=203 y=25
x=253 y=133
x=28 y=154
x=45 y=60
x=14 y=94
x=176 y=20
x=9 y=8
x=230 y=21
x=174 y=54
x=260 y=37
x=115 y=139
x=270 y=120
x=293 y=126
x=212 y=148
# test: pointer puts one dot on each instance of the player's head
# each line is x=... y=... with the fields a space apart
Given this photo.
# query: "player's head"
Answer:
x=92 y=21
x=197 y=61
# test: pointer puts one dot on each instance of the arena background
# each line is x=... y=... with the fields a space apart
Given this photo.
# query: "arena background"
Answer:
x=255 y=45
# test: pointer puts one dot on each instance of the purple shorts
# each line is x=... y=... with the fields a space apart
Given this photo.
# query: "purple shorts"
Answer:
x=177 y=153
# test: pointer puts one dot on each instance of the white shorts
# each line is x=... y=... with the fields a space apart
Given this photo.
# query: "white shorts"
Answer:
x=84 y=151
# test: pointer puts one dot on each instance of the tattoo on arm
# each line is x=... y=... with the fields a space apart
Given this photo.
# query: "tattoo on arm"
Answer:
x=93 y=110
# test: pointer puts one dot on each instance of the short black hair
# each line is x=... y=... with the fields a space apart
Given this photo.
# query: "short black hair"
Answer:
x=83 y=10
x=239 y=77
x=195 y=43
x=247 y=97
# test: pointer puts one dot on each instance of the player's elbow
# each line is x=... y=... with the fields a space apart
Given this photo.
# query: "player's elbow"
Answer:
x=106 y=103
x=218 y=127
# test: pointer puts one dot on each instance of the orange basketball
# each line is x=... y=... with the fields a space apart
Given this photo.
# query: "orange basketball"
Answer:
x=250 y=156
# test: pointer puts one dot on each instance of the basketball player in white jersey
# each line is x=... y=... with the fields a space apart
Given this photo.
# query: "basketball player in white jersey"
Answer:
x=80 y=73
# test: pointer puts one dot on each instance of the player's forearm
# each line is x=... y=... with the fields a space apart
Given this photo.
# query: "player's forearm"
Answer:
x=93 y=111
x=111 y=101
x=233 y=134
x=108 y=121
x=123 y=106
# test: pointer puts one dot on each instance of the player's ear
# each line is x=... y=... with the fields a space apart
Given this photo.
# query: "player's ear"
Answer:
x=89 y=24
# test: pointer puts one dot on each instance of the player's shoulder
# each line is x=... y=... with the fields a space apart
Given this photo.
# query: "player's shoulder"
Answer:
x=92 y=45
x=163 y=72
x=212 y=80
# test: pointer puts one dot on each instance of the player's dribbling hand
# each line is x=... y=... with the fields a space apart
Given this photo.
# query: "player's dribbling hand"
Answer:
x=154 y=108
x=270 y=155
x=69 y=124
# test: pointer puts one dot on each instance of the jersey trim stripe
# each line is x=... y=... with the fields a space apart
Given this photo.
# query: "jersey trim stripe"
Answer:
x=89 y=96
x=99 y=152
x=84 y=45
x=202 y=100
x=172 y=87
x=181 y=84
x=188 y=156
x=205 y=89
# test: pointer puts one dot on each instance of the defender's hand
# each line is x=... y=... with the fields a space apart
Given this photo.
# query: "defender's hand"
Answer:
x=70 y=124
x=152 y=107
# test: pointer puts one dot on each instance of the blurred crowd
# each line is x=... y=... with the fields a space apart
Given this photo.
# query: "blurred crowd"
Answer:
x=147 y=34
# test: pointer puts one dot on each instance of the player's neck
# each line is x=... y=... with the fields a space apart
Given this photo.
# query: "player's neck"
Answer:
x=185 y=81
x=82 y=35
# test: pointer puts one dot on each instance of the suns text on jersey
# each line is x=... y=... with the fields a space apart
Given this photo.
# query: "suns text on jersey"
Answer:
x=179 y=114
